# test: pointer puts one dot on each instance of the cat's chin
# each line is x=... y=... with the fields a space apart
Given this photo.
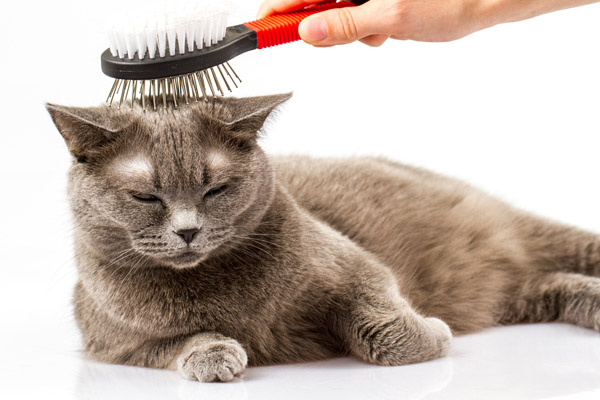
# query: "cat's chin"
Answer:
x=186 y=259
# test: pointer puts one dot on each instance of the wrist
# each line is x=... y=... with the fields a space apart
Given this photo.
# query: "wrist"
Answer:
x=494 y=12
x=487 y=13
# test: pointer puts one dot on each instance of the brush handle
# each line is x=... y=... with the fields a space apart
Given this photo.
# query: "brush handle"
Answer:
x=283 y=28
x=265 y=32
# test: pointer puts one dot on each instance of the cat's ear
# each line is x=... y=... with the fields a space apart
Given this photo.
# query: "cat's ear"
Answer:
x=85 y=130
x=249 y=114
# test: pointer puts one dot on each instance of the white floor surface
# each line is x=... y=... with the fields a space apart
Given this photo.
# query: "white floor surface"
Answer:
x=519 y=362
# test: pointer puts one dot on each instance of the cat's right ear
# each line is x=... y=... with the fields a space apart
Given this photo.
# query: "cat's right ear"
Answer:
x=85 y=130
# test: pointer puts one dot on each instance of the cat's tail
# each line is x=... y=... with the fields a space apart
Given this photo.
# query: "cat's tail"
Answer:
x=557 y=247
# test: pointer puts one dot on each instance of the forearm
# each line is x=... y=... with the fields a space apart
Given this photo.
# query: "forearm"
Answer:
x=493 y=12
x=375 y=323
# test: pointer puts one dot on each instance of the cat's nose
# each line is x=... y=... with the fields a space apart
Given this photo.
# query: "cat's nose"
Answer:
x=187 y=234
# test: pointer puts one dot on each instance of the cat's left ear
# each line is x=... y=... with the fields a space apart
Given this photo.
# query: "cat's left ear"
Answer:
x=249 y=114
x=85 y=130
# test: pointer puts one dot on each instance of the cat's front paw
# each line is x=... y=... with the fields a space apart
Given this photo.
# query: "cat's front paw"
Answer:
x=442 y=334
x=406 y=343
x=213 y=362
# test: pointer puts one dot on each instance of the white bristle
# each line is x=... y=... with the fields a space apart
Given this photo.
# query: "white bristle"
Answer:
x=140 y=38
x=112 y=44
x=190 y=37
x=161 y=36
x=171 y=39
x=120 y=43
x=199 y=36
x=167 y=27
x=130 y=44
x=210 y=33
x=180 y=29
x=151 y=39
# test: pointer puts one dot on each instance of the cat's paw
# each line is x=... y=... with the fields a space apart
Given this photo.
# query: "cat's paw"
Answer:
x=442 y=334
x=213 y=362
x=391 y=344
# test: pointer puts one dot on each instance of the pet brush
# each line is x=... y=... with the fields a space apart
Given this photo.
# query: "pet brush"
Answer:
x=175 y=57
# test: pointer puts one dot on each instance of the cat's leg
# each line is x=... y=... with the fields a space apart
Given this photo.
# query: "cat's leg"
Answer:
x=205 y=357
x=557 y=296
x=562 y=278
x=379 y=326
x=555 y=247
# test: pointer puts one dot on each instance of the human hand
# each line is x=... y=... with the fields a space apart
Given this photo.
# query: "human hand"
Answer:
x=422 y=20
x=377 y=20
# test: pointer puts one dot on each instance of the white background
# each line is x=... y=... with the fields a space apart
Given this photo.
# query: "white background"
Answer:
x=514 y=109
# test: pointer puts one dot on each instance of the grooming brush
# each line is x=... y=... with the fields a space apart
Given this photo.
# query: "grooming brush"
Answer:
x=179 y=56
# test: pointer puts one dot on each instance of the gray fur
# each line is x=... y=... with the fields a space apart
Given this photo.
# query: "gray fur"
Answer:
x=295 y=258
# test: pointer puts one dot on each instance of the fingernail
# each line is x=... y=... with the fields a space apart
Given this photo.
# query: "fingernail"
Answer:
x=313 y=30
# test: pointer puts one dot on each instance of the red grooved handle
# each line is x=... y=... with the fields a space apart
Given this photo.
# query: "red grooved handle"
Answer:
x=283 y=28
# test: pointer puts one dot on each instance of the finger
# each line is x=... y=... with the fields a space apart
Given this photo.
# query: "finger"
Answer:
x=339 y=26
x=374 y=40
x=269 y=7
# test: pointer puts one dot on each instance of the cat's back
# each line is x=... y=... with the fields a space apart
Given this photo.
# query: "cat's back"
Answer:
x=383 y=204
x=369 y=186
x=378 y=203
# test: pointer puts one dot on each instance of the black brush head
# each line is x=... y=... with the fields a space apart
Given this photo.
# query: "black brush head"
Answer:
x=238 y=39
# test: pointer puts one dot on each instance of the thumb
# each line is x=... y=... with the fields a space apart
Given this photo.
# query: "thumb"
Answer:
x=337 y=26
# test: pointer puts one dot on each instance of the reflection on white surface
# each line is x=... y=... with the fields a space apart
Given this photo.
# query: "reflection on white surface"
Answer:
x=346 y=377
x=519 y=362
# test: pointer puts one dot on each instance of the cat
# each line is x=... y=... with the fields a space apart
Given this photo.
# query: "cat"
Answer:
x=197 y=252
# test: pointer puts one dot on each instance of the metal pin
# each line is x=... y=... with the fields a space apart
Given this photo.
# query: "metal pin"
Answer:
x=115 y=92
x=223 y=76
x=201 y=83
x=229 y=75
x=232 y=70
x=186 y=86
x=199 y=86
x=124 y=91
x=112 y=89
x=183 y=90
x=172 y=83
x=143 y=90
x=133 y=93
x=217 y=81
x=193 y=87
x=209 y=83
x=192 y=79
x=177 y=88
x=153 y=93
x=164 y=92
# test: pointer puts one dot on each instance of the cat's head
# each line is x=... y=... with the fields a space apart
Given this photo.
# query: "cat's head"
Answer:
x=173 y=186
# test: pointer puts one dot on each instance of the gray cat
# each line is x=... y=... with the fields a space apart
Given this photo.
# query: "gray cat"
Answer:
x=197 y=252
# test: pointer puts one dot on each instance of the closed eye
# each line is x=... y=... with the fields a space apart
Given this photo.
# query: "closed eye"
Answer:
x=145 y=198
x=215 y=191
